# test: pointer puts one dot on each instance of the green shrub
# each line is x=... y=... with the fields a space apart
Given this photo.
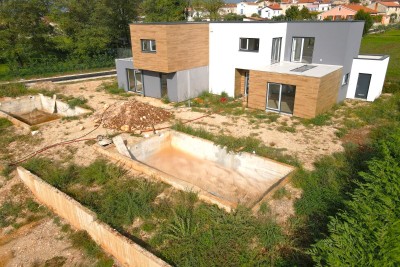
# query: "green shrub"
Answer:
x=366 y=232
x=13 y=90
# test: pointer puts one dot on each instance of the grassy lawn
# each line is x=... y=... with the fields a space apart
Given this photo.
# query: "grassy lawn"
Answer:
x=385 y=43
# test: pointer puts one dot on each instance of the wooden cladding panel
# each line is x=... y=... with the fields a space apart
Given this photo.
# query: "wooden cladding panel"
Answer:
x=188 y=46
x=328 y=91
x=311 y=99
x=179 y=47
x=239 y=82
x=157 y=61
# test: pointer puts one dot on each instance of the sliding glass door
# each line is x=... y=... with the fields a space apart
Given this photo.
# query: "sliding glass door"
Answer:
x=135 y=83
x=302 y=49
x=280 y=97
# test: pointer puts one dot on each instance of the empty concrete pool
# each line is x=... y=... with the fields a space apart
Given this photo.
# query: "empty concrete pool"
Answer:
x=34 y=110
x=200 y=165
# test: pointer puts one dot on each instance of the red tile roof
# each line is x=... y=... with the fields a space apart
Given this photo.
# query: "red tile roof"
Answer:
x=275 y=6
x=306 y=1
x=359 y=7
x=390 y=4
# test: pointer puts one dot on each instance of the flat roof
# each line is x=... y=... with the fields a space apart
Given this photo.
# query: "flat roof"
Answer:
x=244 y=22
x=286 y=67
x=372 y=57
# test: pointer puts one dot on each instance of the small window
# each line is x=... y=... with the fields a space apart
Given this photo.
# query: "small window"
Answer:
x=276 y=50
x=345 y=79
x=249 y=44
x=148 y=45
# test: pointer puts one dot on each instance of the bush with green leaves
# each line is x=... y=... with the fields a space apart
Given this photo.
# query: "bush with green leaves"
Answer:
x=367 y=231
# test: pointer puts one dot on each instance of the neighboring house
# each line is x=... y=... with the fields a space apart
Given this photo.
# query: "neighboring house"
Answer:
x=298 y=68
x=227 y=9
x=345 y=12
x=306 y=3
x=285 y=4
x=197 y=13
x=246 y=8
x=324 y=5
x=270 y=11
x=387 y=8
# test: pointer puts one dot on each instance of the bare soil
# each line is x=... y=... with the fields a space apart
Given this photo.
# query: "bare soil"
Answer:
x=44 y=241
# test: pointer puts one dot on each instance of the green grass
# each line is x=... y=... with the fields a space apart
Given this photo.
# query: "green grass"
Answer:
x=181 y=229
x=385 y=43
x=113 y=89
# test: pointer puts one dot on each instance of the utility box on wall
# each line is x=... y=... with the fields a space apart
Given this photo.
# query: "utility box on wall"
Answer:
x=367 y=77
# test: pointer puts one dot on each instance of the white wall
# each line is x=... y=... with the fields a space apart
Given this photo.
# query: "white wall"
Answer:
x=225 y=55
x=369 y=66
x=270 y=13
x=247 y=10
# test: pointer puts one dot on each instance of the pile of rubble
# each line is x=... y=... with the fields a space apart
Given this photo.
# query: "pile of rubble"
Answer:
x=133 y=116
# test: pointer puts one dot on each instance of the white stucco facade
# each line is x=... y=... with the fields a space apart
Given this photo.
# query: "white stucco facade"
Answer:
x=269 y=13
x=376 y=65
x=247 y=9
x=225 y=55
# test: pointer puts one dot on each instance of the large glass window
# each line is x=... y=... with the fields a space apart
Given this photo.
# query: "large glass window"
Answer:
x=280 y=97
x=249 y=44
x=148 y=45
x=302 y=49
x=135 y=83
x=276 y=50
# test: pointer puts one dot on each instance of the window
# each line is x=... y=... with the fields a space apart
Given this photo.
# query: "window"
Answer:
x=302 y=49
x=276 y=50
x=249 y=44
x=345 y=79
x=148 y=45
x=281 y=97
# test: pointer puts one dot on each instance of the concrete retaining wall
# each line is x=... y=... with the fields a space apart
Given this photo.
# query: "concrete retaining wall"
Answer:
x=21 y=105
x=123 y=249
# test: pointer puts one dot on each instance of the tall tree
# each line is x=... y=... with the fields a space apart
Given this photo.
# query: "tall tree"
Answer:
x=164 y=10
x=212 y=6
x=366 y=17
x=293 y=13
x=25 y=33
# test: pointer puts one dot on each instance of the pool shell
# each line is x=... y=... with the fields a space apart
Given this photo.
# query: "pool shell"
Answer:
x=192 y=163
x=36 y=110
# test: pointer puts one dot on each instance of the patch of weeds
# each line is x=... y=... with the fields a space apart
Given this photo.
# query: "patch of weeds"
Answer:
x=112 y=88
x=165 y=100
x=7 y=170
x=56 y=261
x=272 y=117
x=9 y=212
x=148 y=227
x=76 y=102
x=70 y=118
x=319 y=120
x=81 y=240
x=341 y=132
x=285 y=128
x=99 y=172
x=281 y=193
x=34 y=128
x=4 y=123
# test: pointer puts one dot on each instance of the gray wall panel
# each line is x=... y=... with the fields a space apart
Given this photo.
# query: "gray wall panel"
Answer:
x=121 y=65
x=152 y=83
x=172 y=85
x=192 y=82
x=335 y=43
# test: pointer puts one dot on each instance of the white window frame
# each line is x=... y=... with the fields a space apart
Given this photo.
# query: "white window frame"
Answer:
x=150 y=43
x=247 y=44
x=275 y=52
x=301 y=50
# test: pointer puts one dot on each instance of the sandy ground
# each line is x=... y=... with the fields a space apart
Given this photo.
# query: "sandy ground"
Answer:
x=44 y=241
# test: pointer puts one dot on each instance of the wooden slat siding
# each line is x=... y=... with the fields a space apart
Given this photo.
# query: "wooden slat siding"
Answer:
x=239 y=82
x=179 y=47
x=306 y=91
x=328 y=91
x=188 y=46
x=150 y=61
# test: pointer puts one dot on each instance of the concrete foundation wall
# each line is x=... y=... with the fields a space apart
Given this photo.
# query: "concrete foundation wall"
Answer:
x=121 y=65
x=244 y=163
x=124 y=250
x=21 y=105
x=65 y=110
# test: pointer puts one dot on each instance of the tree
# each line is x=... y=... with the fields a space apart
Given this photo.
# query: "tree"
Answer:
x=24 y=31
x=305 y=13
x=212 y=6
x=233 y=17
x=163 y=10
x=366 y=17
x=293 y=13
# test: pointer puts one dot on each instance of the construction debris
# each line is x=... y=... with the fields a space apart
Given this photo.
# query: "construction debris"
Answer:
x=134 y=116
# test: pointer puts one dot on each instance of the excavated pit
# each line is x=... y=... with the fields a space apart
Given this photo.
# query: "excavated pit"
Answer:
x=35 y=110
x=200 y=165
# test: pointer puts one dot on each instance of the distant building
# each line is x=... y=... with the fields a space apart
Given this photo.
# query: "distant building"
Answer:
x=247 y=8
x=344 y=12
x=228 y=9
x=391 y=9
x=270 y=11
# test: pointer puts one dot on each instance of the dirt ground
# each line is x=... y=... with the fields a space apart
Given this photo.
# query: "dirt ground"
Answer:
x=43 y=240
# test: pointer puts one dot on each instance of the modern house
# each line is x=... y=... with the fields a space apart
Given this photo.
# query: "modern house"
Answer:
x=345 y=12
x=299 y=68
